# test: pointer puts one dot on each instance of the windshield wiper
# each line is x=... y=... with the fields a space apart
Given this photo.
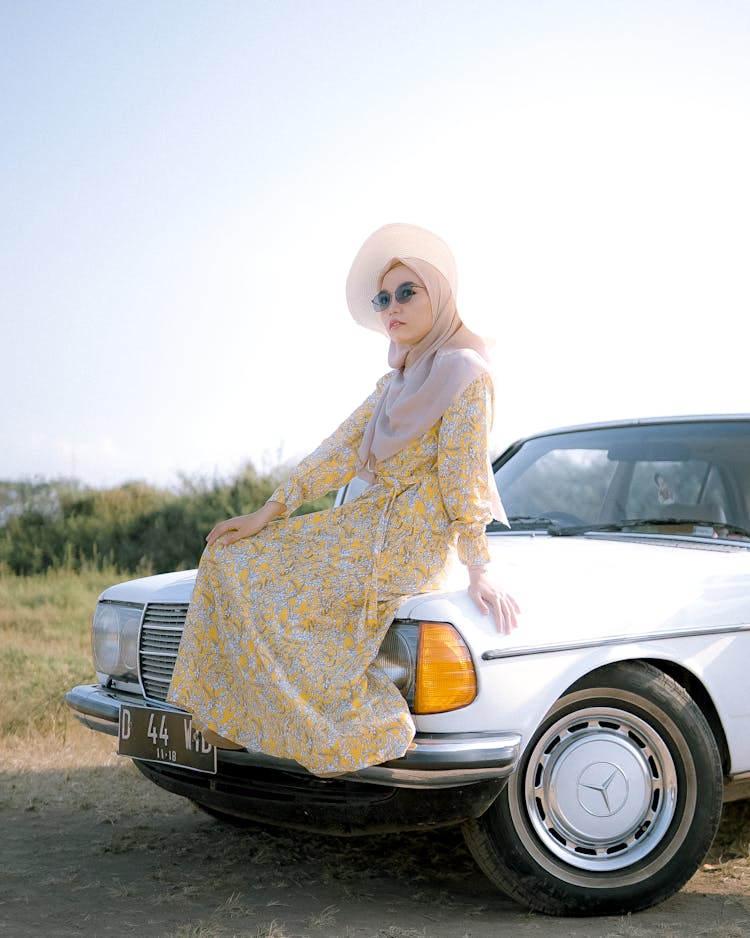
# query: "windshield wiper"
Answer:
x=522 y=523
x=570 y=530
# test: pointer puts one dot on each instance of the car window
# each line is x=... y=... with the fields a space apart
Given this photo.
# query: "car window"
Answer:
x=572 y=481
x=657 y=487
x=691 y=471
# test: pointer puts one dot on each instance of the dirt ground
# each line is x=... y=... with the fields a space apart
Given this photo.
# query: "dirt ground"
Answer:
x=88 y=846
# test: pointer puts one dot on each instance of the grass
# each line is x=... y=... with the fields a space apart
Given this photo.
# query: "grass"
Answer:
x=733 y=839
x=45 y=623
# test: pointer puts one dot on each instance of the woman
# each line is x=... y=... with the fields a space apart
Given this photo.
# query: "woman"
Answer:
x=288 y=613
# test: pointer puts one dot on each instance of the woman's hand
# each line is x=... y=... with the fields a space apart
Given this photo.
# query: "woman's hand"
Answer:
x=488 y=596
x=235 y=529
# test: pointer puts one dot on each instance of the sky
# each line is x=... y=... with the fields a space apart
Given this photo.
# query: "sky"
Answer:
x=183 y=187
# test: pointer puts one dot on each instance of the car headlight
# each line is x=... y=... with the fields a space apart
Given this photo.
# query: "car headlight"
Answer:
x=398 y=656
x=430 y=664
x=114 y=638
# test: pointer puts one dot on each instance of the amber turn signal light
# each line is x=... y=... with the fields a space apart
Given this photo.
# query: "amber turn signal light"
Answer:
x=446 y=679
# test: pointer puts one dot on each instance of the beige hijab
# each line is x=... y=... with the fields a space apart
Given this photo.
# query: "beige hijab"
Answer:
x=428 y=378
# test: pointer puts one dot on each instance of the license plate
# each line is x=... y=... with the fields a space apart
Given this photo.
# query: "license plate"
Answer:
x=164 y=736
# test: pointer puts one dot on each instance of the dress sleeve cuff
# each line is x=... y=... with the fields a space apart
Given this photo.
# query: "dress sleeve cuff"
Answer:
x=281 y=496
x=473 y=550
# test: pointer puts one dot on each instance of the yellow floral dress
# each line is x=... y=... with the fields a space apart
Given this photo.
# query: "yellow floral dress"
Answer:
x=282 y=629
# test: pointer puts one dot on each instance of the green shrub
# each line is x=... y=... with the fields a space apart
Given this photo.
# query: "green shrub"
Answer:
x=61 y=525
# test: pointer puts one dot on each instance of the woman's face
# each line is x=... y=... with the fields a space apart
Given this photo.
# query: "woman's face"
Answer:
x=406 y=322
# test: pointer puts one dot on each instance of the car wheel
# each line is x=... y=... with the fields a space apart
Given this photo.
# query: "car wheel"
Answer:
x=615 y=801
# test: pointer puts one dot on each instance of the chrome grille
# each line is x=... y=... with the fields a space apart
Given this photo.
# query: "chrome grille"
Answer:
x=161 y=632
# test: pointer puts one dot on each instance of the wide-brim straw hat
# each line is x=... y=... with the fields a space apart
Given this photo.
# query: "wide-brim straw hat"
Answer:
x=389 y=242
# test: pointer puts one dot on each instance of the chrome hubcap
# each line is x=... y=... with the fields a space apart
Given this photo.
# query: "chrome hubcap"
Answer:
x=600 y=789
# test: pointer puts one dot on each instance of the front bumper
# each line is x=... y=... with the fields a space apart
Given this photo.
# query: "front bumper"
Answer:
x=436 y=760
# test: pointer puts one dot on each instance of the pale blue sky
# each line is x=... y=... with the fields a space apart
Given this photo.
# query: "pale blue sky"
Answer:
x=184 y=185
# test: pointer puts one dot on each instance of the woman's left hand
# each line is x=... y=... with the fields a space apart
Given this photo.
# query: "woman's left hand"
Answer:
x=489 y=597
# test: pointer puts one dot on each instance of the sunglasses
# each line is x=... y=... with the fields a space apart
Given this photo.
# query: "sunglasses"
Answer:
x=402 y=294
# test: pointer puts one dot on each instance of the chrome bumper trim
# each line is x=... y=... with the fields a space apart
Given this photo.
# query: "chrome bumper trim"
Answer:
x=440 y=760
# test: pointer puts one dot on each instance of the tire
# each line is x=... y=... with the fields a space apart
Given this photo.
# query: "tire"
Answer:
x=615 y=801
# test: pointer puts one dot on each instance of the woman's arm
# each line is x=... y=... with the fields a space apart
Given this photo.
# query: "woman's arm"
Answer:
x=465 y=488
x=234 y=529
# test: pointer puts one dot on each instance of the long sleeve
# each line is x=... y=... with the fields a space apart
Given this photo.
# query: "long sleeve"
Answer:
x=333 y=463
x=462 y=469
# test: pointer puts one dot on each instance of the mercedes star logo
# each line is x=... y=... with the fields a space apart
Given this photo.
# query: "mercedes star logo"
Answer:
x=602 y=789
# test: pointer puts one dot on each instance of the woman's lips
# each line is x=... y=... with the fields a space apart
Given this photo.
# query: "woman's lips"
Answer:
x=394 y=324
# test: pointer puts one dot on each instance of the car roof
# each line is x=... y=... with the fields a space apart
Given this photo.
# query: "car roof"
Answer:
x=639 y=422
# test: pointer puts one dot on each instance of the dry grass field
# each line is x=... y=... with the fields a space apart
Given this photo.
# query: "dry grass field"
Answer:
x=90 y=847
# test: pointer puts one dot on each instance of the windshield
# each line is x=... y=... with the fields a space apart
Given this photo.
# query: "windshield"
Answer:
x=683 y=478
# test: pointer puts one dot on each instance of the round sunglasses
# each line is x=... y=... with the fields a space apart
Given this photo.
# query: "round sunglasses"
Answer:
x=402 y=294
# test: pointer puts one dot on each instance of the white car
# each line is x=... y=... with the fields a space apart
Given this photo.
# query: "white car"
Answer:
x=586 y=755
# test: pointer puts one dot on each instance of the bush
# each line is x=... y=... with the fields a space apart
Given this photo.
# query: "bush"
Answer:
x=61 y=525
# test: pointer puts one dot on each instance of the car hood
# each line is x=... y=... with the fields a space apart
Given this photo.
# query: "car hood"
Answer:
x=569 y=588
x=594 y=587
x=162 y=588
